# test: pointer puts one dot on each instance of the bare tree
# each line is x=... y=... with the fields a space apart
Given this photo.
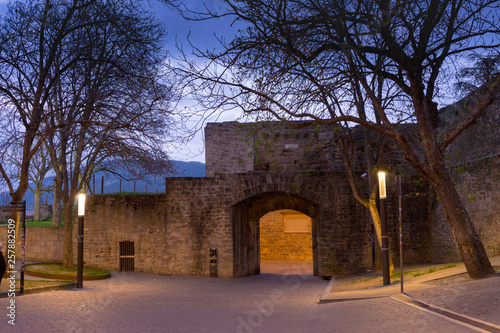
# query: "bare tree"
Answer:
x=109 y=103
x=292 y=55
x=40 y=166
x=83 y=76
x=484 y=70
x=30 y=37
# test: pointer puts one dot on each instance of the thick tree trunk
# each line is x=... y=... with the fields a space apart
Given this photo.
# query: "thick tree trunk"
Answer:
x=16 y=216
x=56 y=207
x=372 y=206
x=56 y=213
x=469 y=244
x=36 y=212
x=68 y=236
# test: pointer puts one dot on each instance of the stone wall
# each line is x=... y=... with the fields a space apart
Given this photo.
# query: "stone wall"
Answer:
x=416 y=220
x=474 y=159
x=479 y=141
x=276 y=245
x=227 y=149
x=42 y=243
x=272 y=146
x=233 y=147
x=479 y=187
x=174 y=232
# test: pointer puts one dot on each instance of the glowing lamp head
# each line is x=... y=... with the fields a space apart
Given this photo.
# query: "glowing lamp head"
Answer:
x=81 y=204
x=381 y=185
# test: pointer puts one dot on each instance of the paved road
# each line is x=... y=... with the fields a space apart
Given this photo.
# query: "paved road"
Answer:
x=475 y=298
x=135 y=302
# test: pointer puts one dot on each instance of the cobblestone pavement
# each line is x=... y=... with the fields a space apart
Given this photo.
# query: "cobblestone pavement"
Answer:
x=474 y=298
x=135 y=302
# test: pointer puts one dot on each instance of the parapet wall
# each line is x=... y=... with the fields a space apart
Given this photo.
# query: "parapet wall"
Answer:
x=474 y=159
x=233 y=147
x=43 y=244
x=479 y=187
x=173 y=232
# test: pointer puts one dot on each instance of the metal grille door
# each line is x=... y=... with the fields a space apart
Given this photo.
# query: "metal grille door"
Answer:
x=126 y=256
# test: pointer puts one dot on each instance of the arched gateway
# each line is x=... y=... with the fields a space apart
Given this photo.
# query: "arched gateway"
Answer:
x=210 y=226
x=246 y=217
x=174 y=232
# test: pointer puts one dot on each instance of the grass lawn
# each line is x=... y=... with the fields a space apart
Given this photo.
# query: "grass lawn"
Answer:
x=36 y=224
x=31 y=284
x=374 y=278
x=56 y=269
x=421 y=272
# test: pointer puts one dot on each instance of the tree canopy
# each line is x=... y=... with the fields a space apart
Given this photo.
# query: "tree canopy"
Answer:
x=295 y=58
x=84 y=78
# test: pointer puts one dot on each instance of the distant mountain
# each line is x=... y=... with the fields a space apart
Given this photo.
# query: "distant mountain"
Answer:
x=188 y=169
x=112 y=183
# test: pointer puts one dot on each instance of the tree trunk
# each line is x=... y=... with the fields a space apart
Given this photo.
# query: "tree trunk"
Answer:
x=16 y=216
x=56 y=206
x=372 y=206
x=469 y=244
x=36 y=212
x=68 y=236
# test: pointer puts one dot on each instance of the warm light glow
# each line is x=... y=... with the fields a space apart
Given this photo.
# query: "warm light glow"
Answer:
x=81 y=204
x=381 y=185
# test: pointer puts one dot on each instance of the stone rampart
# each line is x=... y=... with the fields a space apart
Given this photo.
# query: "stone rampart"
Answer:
x=479 y=187
x=43 y=244
x=474 y=159
x=174 y=232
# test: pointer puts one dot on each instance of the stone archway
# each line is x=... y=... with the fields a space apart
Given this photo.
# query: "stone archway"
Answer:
x=246 y=216
x=286 y=243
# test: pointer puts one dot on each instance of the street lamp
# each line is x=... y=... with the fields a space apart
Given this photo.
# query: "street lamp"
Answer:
x=81 y=213
x=383 y=227
x=397 y=186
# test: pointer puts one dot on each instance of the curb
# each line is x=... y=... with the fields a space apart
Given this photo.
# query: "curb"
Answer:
x=478 y=323
x=474 y=323
x=327 y=290
x=67 y=277
x=62 y=286
x=339 y=300
x=383 y=290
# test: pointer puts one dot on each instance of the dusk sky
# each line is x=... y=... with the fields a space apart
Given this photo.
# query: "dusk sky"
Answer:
x=202 y=35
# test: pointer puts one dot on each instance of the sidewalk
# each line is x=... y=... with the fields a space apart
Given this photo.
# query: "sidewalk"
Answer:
x=28 y=290
x=476 y=302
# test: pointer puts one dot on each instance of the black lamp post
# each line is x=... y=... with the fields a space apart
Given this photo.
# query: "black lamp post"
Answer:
x=397 y=185
x=81 y=213
x=383 y=227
